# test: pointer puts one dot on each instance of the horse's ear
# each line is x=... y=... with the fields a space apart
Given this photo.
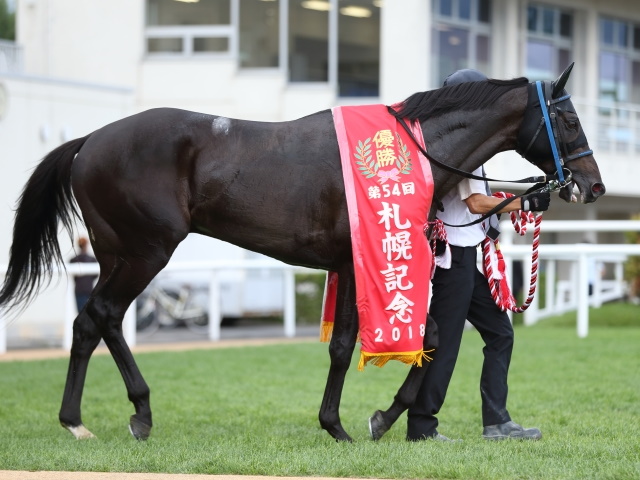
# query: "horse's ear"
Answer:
x=558 y=85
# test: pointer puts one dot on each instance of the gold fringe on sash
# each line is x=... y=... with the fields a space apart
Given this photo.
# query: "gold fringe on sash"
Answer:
x=380 y=359
x=326 y=329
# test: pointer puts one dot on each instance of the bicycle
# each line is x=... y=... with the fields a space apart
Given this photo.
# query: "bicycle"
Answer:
x=166 y=308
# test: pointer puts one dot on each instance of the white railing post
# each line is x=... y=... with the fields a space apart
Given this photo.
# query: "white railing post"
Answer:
x=574 y=283
x=3 y=334
x=69 y=314
x=596 y=274
x=550 y=285
x=129 y=325
x=618 y=275
x=582 y=284
x=215 y=315
x=289 y=302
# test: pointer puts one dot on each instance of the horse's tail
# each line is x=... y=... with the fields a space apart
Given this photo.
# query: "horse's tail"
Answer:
x=47 y=198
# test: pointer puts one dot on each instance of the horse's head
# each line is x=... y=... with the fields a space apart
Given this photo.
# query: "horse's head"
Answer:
x=554 y=141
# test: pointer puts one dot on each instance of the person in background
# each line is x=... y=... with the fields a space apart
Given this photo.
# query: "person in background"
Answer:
x=461 y=292
x=83 y=283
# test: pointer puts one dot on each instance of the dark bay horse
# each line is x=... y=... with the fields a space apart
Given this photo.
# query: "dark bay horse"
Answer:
x=144 y=182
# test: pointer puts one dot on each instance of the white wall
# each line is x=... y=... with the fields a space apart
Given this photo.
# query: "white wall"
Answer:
x=88 y=41
x=41 y=114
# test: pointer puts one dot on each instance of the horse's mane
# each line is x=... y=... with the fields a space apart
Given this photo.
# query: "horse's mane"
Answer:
x=464 y=96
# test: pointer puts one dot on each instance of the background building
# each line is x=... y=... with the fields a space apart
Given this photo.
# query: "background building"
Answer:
x=76 y=66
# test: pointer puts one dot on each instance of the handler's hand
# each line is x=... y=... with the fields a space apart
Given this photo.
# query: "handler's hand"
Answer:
x=536 y=202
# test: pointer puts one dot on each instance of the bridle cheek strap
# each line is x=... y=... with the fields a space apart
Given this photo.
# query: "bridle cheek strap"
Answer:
x=549 y=118
x=553 y=139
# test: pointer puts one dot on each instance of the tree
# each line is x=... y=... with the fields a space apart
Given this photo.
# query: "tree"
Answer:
x=7 y=22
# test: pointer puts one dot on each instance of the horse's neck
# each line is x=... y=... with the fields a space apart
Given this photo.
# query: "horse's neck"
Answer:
x=467 y=139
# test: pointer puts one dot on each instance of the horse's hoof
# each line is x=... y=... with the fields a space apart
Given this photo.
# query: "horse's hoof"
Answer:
x=377 y=426
x=339 y=435
x=139 y=430
x=79 y=431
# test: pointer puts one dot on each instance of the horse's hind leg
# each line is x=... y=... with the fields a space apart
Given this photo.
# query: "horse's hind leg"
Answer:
x=343 y=341
x=102 y=318
x=381 y=421
x=86 y=338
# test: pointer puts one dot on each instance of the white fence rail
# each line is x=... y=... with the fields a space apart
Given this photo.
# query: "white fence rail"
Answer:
x=10 y=57
x=573 y=294
x=215 y=316
x=561 y=296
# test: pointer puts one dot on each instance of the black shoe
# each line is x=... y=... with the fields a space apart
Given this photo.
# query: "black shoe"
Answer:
x=436 y=437
x=510 y=430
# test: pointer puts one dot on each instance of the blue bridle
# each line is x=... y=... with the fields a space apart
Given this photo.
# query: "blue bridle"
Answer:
x=549 y=115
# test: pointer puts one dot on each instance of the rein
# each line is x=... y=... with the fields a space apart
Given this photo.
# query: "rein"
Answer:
x=494 y=266
x=457 y=171
x=550 y=183
x=536 y=179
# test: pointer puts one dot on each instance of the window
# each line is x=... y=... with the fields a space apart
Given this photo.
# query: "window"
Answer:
x=549 y=42
x=619 y=82
x=259 y=33
x=357 y=35
x=359 y=49
x=619 y=61
x=309 y=40
x=460 y=37
x=329 y=41
x=189 y=27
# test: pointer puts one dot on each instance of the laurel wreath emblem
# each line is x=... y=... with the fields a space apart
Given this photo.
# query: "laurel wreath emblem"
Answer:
x=405 y=165
x=369 y=167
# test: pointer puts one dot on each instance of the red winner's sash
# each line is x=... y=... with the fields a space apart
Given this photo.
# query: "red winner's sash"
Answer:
x=389 y=188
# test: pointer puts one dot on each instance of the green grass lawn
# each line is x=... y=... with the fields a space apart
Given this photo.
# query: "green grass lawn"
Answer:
x=254 y=411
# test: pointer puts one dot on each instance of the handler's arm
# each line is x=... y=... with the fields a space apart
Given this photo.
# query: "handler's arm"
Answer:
x=481 y=204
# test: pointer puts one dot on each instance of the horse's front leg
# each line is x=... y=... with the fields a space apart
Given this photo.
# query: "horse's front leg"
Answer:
x=85 y=340
x=381 y=421
x=137 y=389
x=343 y=341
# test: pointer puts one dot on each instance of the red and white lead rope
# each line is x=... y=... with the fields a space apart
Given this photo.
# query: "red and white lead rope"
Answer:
x=494 y=265
x=493 y=261
x=438 y=233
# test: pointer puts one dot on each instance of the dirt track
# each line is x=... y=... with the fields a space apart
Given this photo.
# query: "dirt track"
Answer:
x=41 y=354
x=11 y=475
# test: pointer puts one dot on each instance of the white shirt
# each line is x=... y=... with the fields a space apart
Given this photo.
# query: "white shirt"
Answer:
x=456 y=212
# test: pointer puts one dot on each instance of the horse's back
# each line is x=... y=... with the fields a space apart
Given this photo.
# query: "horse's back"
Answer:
x=266 y=186
x=275 y=188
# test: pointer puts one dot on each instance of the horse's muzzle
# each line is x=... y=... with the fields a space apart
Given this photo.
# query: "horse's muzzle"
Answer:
x=598 y=189
x=587 y=195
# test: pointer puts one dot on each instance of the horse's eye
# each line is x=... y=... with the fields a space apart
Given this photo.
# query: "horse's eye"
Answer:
x=572 y=123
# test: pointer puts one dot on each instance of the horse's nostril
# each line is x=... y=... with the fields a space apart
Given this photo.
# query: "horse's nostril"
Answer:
x=598 y=189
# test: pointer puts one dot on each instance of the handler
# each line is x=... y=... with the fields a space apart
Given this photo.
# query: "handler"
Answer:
x=83 y=283
x=461 y=292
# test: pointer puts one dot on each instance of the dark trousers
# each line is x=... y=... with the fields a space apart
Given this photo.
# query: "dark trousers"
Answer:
x=462 y=293
x=81 y=299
